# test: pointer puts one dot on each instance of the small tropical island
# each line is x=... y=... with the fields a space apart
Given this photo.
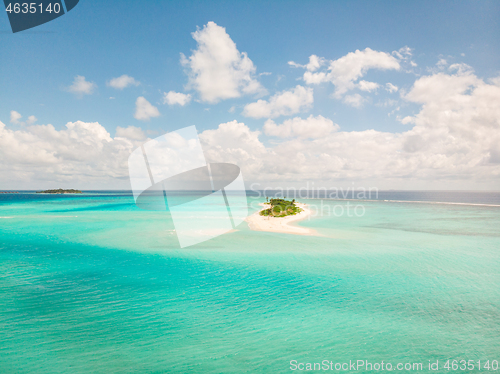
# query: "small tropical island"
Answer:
x=60 y=191
x=280 y=208
x=276 y=215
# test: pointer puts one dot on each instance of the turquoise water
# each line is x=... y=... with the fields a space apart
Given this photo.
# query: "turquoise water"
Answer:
x=93 y=284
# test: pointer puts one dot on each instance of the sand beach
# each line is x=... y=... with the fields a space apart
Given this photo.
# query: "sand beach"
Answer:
x=280 y=224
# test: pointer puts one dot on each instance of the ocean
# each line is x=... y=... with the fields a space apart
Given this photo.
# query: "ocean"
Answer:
x=92 y=284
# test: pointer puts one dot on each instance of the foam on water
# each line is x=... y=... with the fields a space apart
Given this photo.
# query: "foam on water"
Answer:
x=409 y=201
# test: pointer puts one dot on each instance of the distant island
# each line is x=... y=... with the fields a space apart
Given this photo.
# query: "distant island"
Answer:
x=60 y=190
x=280 y=208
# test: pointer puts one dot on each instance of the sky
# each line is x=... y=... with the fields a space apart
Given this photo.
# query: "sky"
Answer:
x=393 y=95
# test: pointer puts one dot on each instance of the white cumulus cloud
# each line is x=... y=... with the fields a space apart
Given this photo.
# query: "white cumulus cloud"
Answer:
x=82 y=87
x=311 y=127
x=217 y=69
x=144 y=110
x=31 y=120
x=15 y=117
x=122 y=82
x=314 y=64
x=345 y=71
x=80 y=155
x=131 y=132
x=454 y=142
x=406 y=120
x=176 y=98
x=285 y=103
x=368 y=86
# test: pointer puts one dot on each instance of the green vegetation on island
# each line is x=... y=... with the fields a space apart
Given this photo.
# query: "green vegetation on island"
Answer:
x=280 y=208
x=60 y=190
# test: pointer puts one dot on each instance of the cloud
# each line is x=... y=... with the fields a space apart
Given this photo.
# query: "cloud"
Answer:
x=368 y=86
x=441 y=88
x=406 y=120
x=81 y=87
x=442 y=63
x=234 y=142
x=216 y=69
x=311 y=127
x=459 y=123
x=80 y=155
x=454 y=143
x=334 y=156
x=31 y=120
x=355 y=100
x=15 y=117
x=314 y=64
x=391 y=87
x=144 y=111
x=176 y=98
x=387 y=103
x=122 y=82
x=285 y=103
x=227 y=133
x=461 y=68
x=403 y=53
x=345 y=71
x=131 y=132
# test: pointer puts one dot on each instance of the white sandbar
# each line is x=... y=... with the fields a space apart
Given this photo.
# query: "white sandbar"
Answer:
x=280 y=224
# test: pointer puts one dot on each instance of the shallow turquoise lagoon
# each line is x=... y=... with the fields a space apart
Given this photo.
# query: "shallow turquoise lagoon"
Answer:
x=93 y=284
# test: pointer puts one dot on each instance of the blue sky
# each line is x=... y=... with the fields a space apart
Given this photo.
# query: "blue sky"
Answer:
x=144 y=40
